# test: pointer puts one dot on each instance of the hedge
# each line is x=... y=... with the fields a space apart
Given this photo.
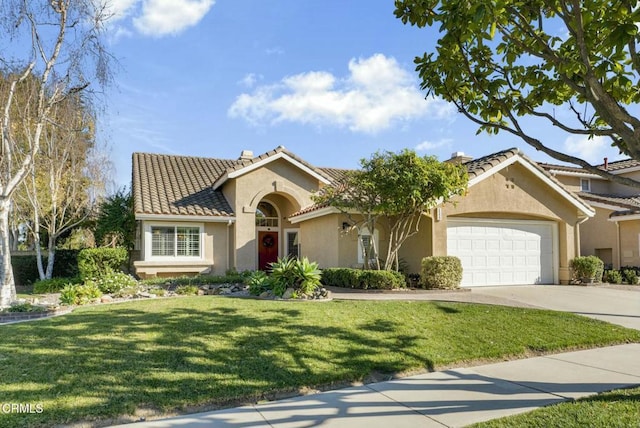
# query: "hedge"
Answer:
x=442 y=272
x=585 y=268
x=96 y=262
x=363 y=279
x=25 y=268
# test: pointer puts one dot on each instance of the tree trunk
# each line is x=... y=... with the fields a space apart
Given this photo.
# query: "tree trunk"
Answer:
x=51 y=258
x=7 y=284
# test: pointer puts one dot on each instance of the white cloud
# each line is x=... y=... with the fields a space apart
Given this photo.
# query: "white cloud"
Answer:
x=163 y=17
x=156 y=17
x=431 y=145
x=592 y=150
x=250 y=79
x=118 y=9
x=274 y=51
x=375 y=95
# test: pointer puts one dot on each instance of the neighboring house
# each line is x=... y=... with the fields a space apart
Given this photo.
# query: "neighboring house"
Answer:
x=516 y=224
x=613 y=234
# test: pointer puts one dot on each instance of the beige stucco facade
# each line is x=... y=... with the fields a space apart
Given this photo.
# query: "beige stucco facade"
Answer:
x=515 y=192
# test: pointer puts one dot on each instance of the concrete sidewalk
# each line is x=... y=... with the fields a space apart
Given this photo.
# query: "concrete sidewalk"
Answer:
x=450 y=398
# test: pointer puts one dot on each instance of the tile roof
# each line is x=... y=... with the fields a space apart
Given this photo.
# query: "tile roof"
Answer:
x=622 y=164
x=477 y=167
x=178 y=185
x=243 y=163
x=556 y=167
x=628 y=202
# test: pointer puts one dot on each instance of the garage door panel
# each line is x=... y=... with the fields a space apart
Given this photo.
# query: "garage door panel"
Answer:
x=495 y=252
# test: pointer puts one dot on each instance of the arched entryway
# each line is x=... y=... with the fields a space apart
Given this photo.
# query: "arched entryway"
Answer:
x=275 y=235
x=267 y=228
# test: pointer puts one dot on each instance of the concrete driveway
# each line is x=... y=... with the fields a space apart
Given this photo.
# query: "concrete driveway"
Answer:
x=617 y=306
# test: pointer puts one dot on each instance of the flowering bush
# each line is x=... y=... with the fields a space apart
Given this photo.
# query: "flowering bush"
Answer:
x=112 y=282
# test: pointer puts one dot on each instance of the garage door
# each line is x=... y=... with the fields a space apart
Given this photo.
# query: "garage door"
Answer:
x=502 y=252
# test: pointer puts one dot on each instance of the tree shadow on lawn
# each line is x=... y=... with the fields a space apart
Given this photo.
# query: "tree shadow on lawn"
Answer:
x=104 y=362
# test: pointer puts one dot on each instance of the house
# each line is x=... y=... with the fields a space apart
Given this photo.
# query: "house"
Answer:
x=613 y=234
x=517 y=224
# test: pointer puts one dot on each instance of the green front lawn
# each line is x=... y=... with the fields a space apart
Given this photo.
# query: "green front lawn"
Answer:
x=619 y=409
x=169 y=354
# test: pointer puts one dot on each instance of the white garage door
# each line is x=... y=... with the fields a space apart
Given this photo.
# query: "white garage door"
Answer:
x=502 y=252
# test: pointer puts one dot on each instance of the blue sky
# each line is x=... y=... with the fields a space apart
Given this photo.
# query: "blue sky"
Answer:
x=333 y=81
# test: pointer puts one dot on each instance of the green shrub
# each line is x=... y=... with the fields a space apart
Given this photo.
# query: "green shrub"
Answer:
x=112 y=282
x=74 y=294
x=302 y=276
x=25 y=268
x=53 y=285
x=96 y=262
x=187 y=290
x=382 y=280
x=441 y=272
x=199 y=279
x=612 y=277
x=585 y=268
x=258 y=283
x=630 y=276
x=341 y=277
x=157 y=291
x=25 y=307
x=363 y=279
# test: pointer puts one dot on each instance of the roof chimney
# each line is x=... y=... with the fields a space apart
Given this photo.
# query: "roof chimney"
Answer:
x=246 y=155
x=459 y=157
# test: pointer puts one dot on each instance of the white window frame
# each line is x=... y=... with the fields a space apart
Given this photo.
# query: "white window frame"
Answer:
x=286 y=241
x=586 y=181
x=364 y=231
x=149 y=238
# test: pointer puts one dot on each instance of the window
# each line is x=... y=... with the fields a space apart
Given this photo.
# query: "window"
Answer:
x=266 y=215
x=585 y=184
x=365 y=241
x=175 y=241
x=293 y=245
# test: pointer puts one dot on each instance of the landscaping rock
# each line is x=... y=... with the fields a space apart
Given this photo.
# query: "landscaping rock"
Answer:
x=106 y=299
x=288 y=293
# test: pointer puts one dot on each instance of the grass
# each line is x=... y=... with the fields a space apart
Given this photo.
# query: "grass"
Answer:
x=174 y=354
x=620 y=408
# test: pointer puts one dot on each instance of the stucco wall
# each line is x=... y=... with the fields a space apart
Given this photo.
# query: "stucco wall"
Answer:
x=620 y=189
x=418 y=246
x=319 y=240
x=598 y=234
x=515 y=193
x=629 y=243
x=214 y=259
x=286 y=185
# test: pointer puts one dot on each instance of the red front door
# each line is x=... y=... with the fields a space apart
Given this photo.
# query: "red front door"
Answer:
x=267 y=249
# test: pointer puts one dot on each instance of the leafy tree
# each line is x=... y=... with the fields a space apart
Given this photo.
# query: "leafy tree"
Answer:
x=56 y=52
x=396 y=188
x=116 y=224
x=65 y=180
x=501 y=61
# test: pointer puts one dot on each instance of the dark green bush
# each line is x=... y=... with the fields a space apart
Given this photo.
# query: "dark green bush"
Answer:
x=382 y=280
x=442 y=272
x=258 y=283
x=96 y=262
x=363 y=279
x=53 y=285
x=341 y=277
x=612 y=277
x=586 y=268
x=25 y=268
